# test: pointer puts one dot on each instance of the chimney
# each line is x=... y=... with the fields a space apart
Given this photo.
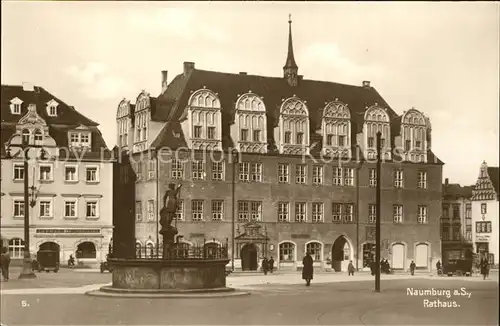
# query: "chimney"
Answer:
x=27 y=87
x=188 y=67
x=366 y=83
x=243 y=73
x=164 y=81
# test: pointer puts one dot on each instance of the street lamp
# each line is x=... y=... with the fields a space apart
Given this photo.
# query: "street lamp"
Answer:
x=29 y=199
x=234 y=160
x=377 y=226
x=360 y=162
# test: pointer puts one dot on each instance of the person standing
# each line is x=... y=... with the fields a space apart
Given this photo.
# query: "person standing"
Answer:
x=412 y=268
x=5 y=262
x=307 y=269
x=271 y=264
x=484 y=267
x=265 y=265
x=350 y=268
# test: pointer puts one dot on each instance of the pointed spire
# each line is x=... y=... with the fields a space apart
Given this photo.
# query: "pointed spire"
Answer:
x=290 y=69
x=290 y=60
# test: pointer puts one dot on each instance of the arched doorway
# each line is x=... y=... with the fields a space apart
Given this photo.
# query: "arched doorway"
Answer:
x=248 y=256
x=421 y=256
x=48 y=252
x=398 y=256
x=341 y=251
x=86 y=250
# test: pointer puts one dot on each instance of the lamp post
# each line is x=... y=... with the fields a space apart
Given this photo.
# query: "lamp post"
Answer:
x=234 y=158
x=27 y=272
x=377 y=225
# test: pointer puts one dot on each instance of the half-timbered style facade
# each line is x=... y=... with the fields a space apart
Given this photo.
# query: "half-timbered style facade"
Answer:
x=304 y=177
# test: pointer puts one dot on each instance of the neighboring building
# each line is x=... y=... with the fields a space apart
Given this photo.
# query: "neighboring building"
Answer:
x=485 y=213
x=72 y=208
x=286 y=198
x=456 y=222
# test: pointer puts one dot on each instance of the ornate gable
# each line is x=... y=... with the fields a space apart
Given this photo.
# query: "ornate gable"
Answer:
x=484 y=189
x=32 y=118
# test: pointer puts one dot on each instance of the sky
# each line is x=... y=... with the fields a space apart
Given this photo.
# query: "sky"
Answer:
x=440 y=58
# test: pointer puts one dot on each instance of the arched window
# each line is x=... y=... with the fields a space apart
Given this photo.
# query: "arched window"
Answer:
x=314 y=248
x=86 y=250
x=138 y=249
x=287 y=251
x=26 y=136
x=336 y=126
x=16 y=248
x=38 y=137
x=150 y=249
x=295 y=140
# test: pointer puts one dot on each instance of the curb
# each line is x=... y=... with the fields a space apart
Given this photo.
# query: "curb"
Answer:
x=105 y=293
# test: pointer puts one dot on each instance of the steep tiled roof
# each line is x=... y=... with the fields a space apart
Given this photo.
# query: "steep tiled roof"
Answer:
x=172 y=104
x=455 y=191
x=494 y=177
x=67 y=118
x=66 y=115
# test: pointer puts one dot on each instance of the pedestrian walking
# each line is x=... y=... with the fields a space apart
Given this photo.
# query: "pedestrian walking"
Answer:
x=307 y=269
x=350 y=268
x=271 y=264
x=412 y=268
x=485 y=268
x=5 y=262
x=265 y=265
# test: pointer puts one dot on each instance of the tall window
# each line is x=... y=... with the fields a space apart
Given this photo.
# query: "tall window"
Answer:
x=372 y=179
x=445 y=231
x=337 y=176
x=243 y=210
x=446 y=211
x=283 y=212
x=301 y=173
x=91 y=174
x=468 y=232
x=177 y=169
x=151 y=210
x=46 y=173
x=256 y=210
x=483 y=227
x=244 y=135
x=197 y=210
x=317 y=212
x=372 y=213
x=337 y=212
x=244 y=171
x=45 y=208
x=317 y=177
x=92 y=209
x=397 y=213
x=70 y=173
x=197 y=132
x=456 y=232
x=288 y=137
x=218 y=170
x=349 y=176
x=484 y=209
x=300 y=212
x=18 y=172
x=256 y=135
x=256 y=172
x=179 y=214
x=283 y=173
x=422 y=180
x=456 y=211
x=398 y=178
x=16 y=248
x=18 y=208
x=422 y=215
x=348 y=213
x=70 y=208
x=217 y=210
x=287 y=251
x=138 y=211
x=198 y=170
x=211 y=132
x=314 y=248
x=138 y=171
x=371 y=142
x=151 y=169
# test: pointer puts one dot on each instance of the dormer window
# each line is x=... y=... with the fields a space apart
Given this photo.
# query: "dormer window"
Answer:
x=244 y=135
x=38 y=137
x=250 y=123
x=79 y=139
x=329 y=140
x=26 y=136
x=52 y=108
x=211 y=132
x=15 y=106
x=336 y=127
x=288 y=137
x=197 y=131
x=256 y=135
x=300 y=138
x=341 y=141
x=371 y=142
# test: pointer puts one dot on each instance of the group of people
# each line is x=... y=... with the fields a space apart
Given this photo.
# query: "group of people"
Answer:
x=385 y=267
x=267 y=265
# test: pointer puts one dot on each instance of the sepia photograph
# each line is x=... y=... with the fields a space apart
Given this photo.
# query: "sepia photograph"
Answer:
x=249 y=163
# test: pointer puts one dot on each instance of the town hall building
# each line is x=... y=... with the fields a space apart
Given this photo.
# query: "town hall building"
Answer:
x=278 y=166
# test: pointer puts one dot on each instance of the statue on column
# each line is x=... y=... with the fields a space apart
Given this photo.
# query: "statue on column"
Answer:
x=167 y=214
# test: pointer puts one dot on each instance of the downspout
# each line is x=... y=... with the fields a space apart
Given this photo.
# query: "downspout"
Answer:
x=157 y=203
